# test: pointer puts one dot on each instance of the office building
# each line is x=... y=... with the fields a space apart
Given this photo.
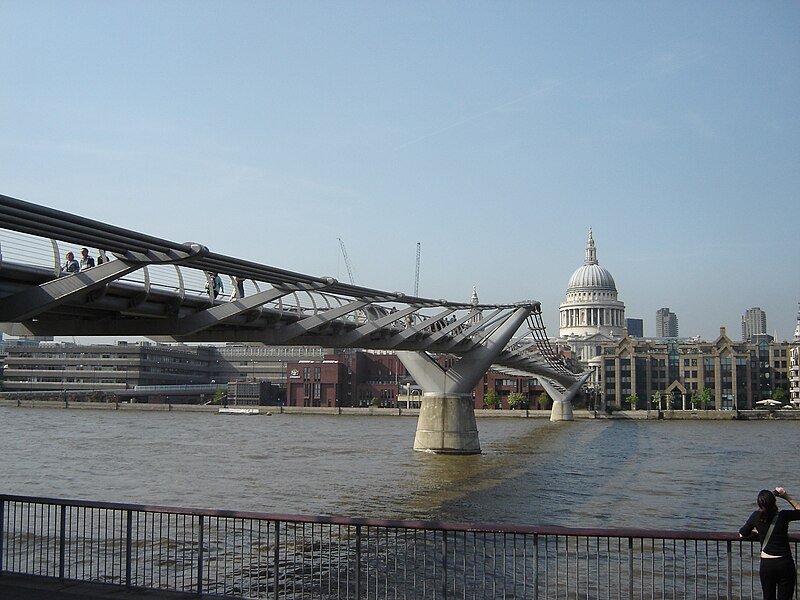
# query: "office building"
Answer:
x=635 y=327
x=666 y=323
x=671 y=372
x=44 y=367
x=754 y=326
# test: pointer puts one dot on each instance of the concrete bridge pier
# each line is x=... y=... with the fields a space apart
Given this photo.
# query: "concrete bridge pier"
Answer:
x=447 y=425
x=561 y=411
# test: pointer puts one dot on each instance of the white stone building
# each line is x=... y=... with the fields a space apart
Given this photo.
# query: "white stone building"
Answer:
x=591 y=314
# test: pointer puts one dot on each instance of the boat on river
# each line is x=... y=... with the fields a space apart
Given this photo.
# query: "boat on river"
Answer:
x=230 y=410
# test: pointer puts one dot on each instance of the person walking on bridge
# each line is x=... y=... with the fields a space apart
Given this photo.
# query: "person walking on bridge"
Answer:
x=87 y=262
x=776 y=570
x=214 y=285
x=70 y=264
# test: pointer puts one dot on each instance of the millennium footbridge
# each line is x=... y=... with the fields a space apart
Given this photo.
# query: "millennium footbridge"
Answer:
x=164 y=290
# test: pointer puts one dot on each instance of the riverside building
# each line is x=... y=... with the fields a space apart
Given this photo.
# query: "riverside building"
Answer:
x=667 y=373
x=90 y=368
x=376 y=378
x=794 y=366
x=113 y=369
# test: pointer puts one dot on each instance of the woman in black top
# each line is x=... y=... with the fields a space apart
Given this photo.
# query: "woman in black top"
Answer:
x=776 y=570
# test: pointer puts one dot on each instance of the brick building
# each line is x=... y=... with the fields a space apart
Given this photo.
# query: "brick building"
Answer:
x=377 y=379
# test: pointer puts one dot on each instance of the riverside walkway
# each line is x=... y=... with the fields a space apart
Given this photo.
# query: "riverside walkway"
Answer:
x=21 y=587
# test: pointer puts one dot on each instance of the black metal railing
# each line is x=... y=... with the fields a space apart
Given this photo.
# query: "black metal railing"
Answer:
x=257 y=555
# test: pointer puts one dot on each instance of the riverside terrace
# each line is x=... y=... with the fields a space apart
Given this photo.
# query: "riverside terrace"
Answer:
x=51 y=544
x=153 y=287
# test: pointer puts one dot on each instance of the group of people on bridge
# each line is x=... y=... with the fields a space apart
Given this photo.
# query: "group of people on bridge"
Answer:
x=71 y=265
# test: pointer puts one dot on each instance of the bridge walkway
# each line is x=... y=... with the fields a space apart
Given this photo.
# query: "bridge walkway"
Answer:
x=22 y=587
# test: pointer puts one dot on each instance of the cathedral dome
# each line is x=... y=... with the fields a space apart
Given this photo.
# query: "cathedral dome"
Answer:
x=591 y=306
x=591 y=276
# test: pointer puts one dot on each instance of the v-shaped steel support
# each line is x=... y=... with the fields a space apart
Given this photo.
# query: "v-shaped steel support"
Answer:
x=446 y=422
x=562 y=398
x=463 y=376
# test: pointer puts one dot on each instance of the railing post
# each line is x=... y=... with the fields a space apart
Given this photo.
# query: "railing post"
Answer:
x=2 y=531
x=200 y=557
x=535 y=566
x=444 y=565
x=276 y=557
x=730 y=569
x=128 y=547
x=630 y=568
x=62 y=542
x=358 y=562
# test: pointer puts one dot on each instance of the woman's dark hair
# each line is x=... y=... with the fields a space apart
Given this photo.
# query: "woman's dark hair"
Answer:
x=767 y=505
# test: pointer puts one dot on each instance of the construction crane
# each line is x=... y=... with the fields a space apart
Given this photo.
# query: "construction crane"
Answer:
x=416 y=274
x=347 y=262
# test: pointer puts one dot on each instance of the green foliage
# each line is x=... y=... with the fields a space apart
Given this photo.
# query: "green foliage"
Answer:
x=632 y=400
x=656 y=400
x=780 y=395
x=219 y=394
x=517 y=400
x=702 y=398
x=375 y=401
x=491 y=400
x=544 y=400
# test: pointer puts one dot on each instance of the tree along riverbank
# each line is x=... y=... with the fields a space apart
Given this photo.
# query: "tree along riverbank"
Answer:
x=715 y=415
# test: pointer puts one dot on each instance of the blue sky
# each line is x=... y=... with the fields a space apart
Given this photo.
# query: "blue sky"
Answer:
x=493 y=133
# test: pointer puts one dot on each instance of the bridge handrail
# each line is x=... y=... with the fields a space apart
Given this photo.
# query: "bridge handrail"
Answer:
x=258 y=555
x=395 y=523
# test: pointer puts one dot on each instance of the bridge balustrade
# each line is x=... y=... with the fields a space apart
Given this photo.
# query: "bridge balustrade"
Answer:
x=257 y=555
x=48 y=255
x=185 y=281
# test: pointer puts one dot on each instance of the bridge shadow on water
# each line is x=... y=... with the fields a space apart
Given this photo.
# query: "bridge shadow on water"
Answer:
x=611 y=473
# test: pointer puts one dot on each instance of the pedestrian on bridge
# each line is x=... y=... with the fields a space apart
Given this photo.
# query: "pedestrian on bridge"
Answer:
x=776 y=570
x=87 y=262
x=214 y=285
x=239 y=282
x=70 y=264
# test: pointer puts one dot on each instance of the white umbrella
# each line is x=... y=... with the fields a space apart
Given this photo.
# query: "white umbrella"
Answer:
x=770 y=402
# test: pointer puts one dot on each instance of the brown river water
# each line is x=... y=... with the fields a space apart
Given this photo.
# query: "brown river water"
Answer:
x=701 y=475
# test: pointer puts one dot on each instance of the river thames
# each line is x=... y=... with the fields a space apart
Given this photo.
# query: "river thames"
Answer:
x=701 y=475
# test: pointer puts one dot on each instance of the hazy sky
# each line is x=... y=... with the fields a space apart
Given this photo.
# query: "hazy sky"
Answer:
x=493 y=133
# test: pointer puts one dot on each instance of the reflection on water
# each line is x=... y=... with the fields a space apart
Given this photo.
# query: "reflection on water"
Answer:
x=664 y=475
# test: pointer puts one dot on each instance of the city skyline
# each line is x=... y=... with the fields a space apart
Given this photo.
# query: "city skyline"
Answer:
x=493 y=135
